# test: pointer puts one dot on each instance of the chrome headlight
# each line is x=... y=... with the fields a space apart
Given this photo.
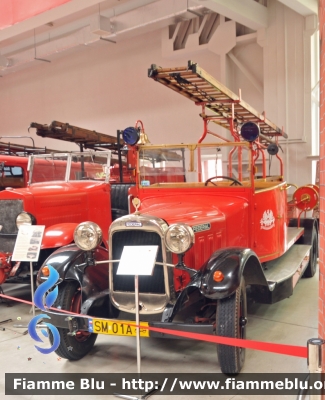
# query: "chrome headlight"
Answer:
x=87 y=235
x=24 y=218
x=179 y=238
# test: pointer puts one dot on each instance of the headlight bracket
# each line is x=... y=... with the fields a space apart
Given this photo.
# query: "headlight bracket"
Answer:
x=181 y=265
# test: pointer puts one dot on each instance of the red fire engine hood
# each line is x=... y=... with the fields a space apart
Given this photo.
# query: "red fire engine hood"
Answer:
x=194 y=209
x=58 y=202
x=15 y=194
x=38 y=190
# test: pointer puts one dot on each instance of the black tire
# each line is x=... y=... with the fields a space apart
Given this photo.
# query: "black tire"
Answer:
x=312 y=264
x=231 y=320
x=72 y=347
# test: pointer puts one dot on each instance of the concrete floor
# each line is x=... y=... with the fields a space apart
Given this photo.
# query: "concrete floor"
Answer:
x=292 y=321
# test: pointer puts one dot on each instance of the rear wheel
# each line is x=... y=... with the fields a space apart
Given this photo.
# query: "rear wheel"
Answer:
x=312 y=264
x=231 y=320
x=77 y=346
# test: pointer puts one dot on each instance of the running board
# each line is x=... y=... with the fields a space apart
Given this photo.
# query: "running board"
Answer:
x=293 y=234
x=293 y=261
x=282 y=275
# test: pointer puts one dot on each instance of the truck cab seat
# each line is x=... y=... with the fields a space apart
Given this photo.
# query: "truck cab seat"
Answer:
x=119 y=199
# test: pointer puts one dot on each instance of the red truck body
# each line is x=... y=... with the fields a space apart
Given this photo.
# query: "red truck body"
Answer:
x=59 y=190
x=14 y=163
x=13 y=171
x=59 y=202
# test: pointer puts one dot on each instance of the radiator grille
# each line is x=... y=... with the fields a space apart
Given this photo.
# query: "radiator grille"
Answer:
x=147 y=284
x=9 y=209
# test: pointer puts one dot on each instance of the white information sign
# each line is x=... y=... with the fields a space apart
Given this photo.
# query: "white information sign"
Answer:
x=28 y=243
x=137 y=260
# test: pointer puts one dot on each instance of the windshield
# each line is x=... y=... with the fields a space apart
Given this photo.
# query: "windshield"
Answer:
x=70 y=167
x=229 y=163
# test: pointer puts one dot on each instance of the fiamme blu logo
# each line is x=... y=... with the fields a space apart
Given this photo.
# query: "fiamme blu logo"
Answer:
x=44 y=299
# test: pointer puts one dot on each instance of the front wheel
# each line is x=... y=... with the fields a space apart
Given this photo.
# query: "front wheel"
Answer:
x=77 y=346
x=231 y=320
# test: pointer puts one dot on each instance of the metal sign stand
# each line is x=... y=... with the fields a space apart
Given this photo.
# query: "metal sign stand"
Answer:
x=146 y=268
x=32 y=286
x=137 y=321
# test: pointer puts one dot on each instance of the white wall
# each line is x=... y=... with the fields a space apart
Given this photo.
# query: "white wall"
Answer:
x=287 y=87
x=104 y=89
x=250 y=57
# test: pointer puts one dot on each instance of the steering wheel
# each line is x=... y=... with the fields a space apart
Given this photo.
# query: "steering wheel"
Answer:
x=222 y=177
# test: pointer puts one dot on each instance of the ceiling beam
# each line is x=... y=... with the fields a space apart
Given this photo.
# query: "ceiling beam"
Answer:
x=67 y=9
x=302 y=7
x=246 y=12
x=246 y=72
x=122 y=22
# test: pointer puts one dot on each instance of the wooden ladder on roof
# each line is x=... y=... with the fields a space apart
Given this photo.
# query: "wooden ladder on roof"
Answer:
x=23 y=150
x=85 y=138
x=228 y=108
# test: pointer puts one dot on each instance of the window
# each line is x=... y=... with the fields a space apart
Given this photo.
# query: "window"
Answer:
x=11 y=176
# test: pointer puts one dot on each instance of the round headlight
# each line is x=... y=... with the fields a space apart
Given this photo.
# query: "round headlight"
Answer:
x=179 y=238
x=87 y=236
x=25 y=218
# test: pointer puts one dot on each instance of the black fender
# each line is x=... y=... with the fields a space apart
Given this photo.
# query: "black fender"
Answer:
x=233 y=262
x=68 y=261
x=74 y=264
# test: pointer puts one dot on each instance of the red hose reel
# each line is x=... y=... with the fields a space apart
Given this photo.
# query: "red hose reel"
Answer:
x=306 y=198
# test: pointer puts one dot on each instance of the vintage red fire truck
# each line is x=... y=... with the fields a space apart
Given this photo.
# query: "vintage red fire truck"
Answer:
x=14 y=163
x=13 y=171
x=63 y=190
x=219 y=223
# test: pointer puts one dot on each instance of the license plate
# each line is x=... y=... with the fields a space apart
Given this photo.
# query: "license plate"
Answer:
x=116 y=328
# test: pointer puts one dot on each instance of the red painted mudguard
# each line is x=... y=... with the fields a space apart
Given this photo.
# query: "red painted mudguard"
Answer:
x=58 y=235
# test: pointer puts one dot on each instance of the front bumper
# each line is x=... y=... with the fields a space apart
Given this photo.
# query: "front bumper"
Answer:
x=75 y=323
